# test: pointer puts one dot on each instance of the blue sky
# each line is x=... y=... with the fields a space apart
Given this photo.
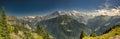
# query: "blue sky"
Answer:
x=22 y=8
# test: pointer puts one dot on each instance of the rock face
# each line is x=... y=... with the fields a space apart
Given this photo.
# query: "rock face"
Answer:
x=12 y=20
x=115 y=37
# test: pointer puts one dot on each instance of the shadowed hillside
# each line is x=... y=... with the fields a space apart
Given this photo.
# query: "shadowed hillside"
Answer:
x=109 y=34
x=64 y=27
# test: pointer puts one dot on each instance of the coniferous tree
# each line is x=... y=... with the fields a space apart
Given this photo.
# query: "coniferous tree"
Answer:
x=3 y=17
x=93 y=34
x=39 y=30
x=82 y=34
x=42 y=32
x=46 y=36
x=4 y=26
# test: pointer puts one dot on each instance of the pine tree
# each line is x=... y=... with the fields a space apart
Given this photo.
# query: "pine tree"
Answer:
x=93 y=34
x=39 y=30
x=42 y=32
x=82 y=34
x=3 y=17
x=4 y=26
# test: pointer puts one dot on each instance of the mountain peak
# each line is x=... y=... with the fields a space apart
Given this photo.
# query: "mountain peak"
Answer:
x=58 y=13
x=74 y=11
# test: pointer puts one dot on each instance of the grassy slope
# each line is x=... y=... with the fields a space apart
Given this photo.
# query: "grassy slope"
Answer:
x=35 y=36
x=112 y=33
x=21 y=35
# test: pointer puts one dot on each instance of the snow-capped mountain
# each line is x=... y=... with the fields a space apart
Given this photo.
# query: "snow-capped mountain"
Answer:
x=97 y=21
x=80 y=16
x=29 y=18
x=84 y=17
x=53 y=15
x=77 y=15
x=109 y=12
x=34 y=19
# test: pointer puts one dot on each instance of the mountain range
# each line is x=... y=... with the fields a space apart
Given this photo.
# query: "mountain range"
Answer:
x=68 y=25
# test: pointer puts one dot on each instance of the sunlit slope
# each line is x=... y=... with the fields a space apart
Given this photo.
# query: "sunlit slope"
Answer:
x=111 y=33
x=23 y=36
